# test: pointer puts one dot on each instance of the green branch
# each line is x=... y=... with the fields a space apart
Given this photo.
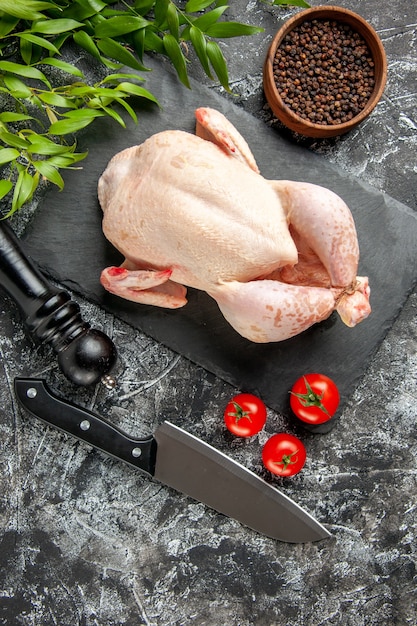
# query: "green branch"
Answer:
x=37 y=130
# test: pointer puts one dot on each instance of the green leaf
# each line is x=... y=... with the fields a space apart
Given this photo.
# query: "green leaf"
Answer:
x=294 y=3
x=7 y=24
x=173 y=21
x=68 y=126
x=222 y=30
x=209 y=18
x=10 y=116
x=36 y=102
x=62 y=65
x=41 y=145
x=218 y=63
x=80 y=89
x=86 y=42
x=65 y=160
x=97 y=5
x=83 y=9
x=26 y=50
x=59 y=40
x=39 y=41
x=143 y=6
x=17 y=88
x=11 y=139
x=112 y=113
x=194 y=6
x=111 y=65
x=55 y=27
x=8 y=154
x=153 y=42
x=128 y=108
x=161 y=10
x=45 y=147
x=26 y=71
x=25 y=9
x=115 y=78
x=24 y=188
x=76 y=157
x=5 y=187
x=61 y=162
x=138 y=41
x=56 y=100
x=101 y=94
x=36 y=53
x=83 y=113
x=200 y=46
x=136 y=90
x=115 y=50
x=119 y=25
x=173 y=50
x=49 y=172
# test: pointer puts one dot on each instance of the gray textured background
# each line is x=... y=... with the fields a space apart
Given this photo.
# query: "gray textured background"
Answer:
x=87 y=541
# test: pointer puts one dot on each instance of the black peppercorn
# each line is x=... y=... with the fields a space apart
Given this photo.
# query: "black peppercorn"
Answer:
x=324 y=71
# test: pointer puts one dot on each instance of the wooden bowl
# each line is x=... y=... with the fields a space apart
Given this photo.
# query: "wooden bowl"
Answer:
x=289 y=116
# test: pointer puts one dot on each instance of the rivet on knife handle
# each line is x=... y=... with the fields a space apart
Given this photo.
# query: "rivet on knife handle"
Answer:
x=85 y=355
x=35 y=397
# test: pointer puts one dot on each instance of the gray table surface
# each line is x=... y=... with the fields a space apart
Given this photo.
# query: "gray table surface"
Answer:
x=86 y=541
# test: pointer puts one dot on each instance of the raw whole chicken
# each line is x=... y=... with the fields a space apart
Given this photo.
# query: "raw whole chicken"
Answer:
x=193 y=210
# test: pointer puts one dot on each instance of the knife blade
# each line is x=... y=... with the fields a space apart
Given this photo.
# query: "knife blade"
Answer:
x=182 y=461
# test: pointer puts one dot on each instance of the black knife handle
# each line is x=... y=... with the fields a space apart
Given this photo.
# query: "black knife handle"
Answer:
x=35 y=396
x=85 y=355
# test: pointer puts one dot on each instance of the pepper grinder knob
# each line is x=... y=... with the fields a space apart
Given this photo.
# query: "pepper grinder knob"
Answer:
x=85 y=355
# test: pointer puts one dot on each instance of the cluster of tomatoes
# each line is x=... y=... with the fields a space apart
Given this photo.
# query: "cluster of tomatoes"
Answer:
x=314 y=399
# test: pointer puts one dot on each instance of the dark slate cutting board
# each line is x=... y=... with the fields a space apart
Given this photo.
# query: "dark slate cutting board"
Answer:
x=65 y=240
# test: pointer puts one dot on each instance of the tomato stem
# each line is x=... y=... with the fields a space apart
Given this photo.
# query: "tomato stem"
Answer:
x=311 y=398
x=287 y=459
x=239 y=412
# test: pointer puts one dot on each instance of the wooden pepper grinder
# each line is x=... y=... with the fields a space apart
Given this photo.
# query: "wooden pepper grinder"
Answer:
x=85 y=355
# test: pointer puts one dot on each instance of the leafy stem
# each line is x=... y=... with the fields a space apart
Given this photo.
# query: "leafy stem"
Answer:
x=32 y=36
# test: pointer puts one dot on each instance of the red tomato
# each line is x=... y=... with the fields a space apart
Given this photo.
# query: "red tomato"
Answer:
x=284 y=455
x=245 y=415
x=314 y=398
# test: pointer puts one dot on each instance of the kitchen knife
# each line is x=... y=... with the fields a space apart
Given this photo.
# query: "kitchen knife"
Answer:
x=182 y=461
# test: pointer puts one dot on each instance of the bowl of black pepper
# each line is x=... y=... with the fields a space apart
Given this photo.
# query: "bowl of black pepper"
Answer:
x=325 y=71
